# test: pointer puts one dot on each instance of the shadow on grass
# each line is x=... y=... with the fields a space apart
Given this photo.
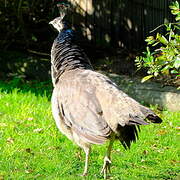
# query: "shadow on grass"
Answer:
x=37 y=87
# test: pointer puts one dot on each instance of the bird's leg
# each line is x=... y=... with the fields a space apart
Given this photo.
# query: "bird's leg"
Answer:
x=107 y=158
x=87 y=152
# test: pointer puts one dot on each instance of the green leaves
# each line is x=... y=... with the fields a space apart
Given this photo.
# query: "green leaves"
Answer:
x=150 y=40
x=146 y=78
x=175 y=10
x=162 y=55
x=177 y=62
x=161 y=39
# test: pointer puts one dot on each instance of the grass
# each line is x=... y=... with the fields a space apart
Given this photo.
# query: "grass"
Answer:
x=31 y=146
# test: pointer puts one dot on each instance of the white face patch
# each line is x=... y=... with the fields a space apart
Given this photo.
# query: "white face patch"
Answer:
x=57 y=23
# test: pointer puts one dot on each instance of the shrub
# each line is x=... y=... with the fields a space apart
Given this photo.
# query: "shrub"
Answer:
x=162 y=56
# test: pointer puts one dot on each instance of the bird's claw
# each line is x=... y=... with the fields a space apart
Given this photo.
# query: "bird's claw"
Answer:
x=106 y=167
x=84 y=174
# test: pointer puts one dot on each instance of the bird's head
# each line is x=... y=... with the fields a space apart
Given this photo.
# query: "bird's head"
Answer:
x=58 y=23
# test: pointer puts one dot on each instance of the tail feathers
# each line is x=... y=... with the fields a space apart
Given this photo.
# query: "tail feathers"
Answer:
x=140 y=121
x=128 y=134
x=136 y=120
x=154 y=118
x=150 y=115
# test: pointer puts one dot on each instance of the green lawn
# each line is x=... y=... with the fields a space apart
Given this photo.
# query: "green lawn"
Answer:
x=31 y=147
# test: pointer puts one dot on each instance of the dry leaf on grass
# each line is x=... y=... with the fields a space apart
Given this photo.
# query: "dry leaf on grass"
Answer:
x=28 y=171
x=10 y=140
x=3 y=124
x=38 y=130
x=162 y=132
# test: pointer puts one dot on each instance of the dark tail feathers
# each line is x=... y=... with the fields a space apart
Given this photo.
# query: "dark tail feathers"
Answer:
x=154 y=119
x=128 y=134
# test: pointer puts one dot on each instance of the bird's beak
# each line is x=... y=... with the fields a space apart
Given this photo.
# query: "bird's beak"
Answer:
x=50 y=22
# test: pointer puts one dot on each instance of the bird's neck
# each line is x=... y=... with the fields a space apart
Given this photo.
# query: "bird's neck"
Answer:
x=66 y=35
x=66 y=55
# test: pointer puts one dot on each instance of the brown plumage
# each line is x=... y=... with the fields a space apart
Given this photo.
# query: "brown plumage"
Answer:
x=87 y=106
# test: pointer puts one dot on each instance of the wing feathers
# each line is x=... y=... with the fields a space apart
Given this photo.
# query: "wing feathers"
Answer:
x=153 y=118
x=128 y=134
x=81 y=108
x=118 y=108
x=94 y=107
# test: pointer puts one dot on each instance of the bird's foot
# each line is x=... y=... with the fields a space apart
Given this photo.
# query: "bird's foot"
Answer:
x=84 y=174
x=106 y=167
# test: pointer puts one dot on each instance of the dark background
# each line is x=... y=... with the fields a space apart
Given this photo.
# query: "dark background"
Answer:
x=112 y=33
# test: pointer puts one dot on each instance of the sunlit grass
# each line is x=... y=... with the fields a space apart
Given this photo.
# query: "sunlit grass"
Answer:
x=31 y=146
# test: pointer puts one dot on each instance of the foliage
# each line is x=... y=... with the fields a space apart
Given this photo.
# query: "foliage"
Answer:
x=23 y=23
x=162 y=56
x=31 y=147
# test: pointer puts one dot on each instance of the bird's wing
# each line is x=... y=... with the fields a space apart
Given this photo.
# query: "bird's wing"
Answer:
x=122 y=113
x=117 y=107
x=80 y=107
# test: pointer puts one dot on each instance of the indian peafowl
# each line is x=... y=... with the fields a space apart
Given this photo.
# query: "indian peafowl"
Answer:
x=87 y=106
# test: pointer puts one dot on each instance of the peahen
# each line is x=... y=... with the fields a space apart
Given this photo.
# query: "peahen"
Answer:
x=87 y=106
